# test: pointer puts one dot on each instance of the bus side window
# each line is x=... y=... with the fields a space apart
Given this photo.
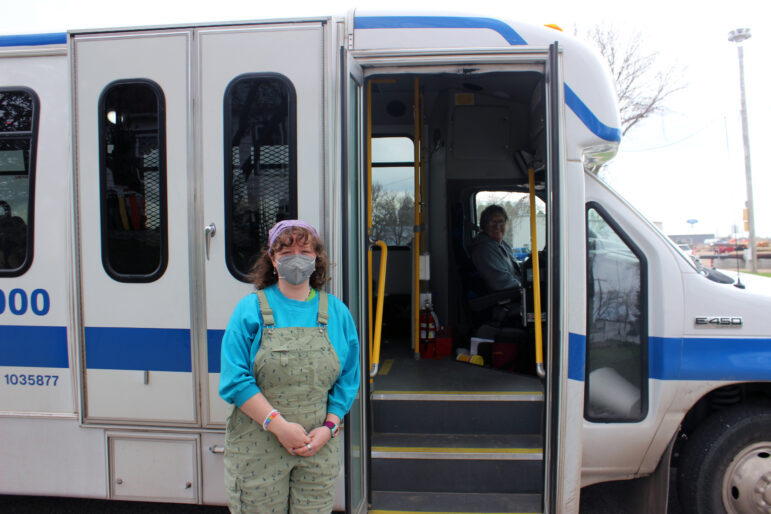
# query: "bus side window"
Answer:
x=393 y=190
x=617 y=326
x=19 y=111
x=260 y=164
x=132 y=174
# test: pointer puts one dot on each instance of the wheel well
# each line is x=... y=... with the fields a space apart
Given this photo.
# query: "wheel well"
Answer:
x=752 y=393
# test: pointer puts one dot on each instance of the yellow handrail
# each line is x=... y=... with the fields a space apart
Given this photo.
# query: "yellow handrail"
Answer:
x=536 y=280
x=374 y=350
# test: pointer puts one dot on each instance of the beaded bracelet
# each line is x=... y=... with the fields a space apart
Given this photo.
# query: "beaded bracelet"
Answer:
x=269 y=418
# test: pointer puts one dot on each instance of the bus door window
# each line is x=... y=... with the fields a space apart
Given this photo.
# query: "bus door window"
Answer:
x=616 y=330
x=133 y=181
x=260 y=164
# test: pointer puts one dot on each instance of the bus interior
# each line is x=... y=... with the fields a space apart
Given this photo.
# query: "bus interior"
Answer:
x=470 y=401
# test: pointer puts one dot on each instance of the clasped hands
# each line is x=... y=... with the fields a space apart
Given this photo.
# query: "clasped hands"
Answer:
x=296 y=440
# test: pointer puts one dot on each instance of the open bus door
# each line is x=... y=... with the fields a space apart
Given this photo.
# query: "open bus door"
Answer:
x=505 y=452
x=556 y=480
x=354 y=295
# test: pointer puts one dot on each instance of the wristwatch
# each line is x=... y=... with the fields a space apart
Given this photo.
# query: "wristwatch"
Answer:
x=334 y=428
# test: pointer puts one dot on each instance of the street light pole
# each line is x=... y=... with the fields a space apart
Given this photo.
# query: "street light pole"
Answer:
x=738 y=36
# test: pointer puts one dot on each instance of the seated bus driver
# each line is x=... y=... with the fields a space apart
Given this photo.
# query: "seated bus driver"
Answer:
x=492 y=256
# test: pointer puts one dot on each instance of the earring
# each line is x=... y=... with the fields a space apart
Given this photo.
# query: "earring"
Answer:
x=274 y=271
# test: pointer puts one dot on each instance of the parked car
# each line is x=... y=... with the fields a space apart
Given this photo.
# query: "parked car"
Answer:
x=521 y=253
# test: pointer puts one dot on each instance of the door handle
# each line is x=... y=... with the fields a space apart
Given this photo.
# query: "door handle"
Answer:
x=208 y=233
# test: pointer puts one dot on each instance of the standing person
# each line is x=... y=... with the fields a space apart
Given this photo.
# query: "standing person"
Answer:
x=492 y=256
x=290 y=366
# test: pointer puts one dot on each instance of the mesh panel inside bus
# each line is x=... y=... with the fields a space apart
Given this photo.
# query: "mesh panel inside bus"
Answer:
x=262 y=173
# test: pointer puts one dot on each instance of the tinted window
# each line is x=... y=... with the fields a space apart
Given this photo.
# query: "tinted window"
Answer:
x=133 y=181
x=617 y=327
x=18 y=137
x=260 y=164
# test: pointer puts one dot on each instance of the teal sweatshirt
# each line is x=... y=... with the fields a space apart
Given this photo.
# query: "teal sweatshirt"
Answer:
x=242 y=340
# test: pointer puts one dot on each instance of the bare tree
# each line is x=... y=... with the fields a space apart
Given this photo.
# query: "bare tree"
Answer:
x=641 y=85
x=392 y=216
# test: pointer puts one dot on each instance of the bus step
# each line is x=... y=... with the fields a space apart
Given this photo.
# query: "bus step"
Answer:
x=457 y=463
x=458 y=446
x=400 y=502
x=511 y=413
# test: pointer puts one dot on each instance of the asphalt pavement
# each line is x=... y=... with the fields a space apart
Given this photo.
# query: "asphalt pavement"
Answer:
x=607 y=498
x=44 y=505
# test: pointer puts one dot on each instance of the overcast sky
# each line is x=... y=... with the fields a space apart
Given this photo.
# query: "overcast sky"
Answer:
x=687 y=164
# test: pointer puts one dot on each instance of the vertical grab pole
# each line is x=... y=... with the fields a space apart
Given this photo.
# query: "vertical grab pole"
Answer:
x=417 y=229
x=536 y=280
x=369 y=215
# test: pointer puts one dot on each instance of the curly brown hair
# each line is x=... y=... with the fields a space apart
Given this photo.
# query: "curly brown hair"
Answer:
x=262 y=273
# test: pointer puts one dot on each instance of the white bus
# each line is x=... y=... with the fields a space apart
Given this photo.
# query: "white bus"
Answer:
x=141 y=168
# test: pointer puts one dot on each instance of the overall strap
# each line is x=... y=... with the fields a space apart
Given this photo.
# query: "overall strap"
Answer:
x=323 y=311
x=267 y=313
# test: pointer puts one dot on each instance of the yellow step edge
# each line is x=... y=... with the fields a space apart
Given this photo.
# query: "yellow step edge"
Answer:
x=438 y=512
x=429 y=449
x=378 y=391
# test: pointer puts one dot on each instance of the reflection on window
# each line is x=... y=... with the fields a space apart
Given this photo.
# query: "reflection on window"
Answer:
x=133 y=181
x=393 y=185
x=260 y=164
x=617 y=324
x=517 y=207
x=18 y=127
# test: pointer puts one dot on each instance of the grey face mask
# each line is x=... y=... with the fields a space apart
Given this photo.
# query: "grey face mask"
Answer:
x=296 y=268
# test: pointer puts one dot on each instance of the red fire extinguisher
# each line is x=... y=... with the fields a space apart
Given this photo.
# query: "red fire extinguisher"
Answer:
x=428 y=332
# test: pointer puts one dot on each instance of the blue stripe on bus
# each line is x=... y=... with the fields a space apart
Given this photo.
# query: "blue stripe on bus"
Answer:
x=213 y=348
x=58 y=38
x=439 y=22
x=692 y=358
x=142 y=349
x=588 y=118
x=576 y=356
x=664 y=354
x=709 y=358
x=725 y=358
x=33 y=346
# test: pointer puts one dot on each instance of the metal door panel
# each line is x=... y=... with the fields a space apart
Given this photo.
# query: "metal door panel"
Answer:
x=295 y=53
x=137 y=343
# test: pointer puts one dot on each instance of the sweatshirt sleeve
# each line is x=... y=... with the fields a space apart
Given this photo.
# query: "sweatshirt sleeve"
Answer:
x=239 y=344
x=344 y=390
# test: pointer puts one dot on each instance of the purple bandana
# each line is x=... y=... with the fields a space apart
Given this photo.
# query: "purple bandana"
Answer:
x=285 y=224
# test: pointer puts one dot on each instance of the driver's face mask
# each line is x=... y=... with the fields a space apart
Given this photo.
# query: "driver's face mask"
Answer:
x=295 y=268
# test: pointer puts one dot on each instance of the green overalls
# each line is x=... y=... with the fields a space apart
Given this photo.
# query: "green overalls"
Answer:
x=295 y=368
